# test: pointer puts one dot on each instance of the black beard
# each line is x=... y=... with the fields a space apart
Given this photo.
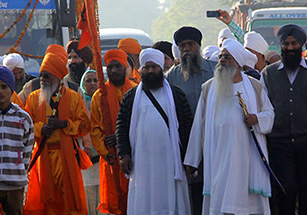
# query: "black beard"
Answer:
x=118 y=82
x=76 y=70
x=291 y=61
x=152 y=81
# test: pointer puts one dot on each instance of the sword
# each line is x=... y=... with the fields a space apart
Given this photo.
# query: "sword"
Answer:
x=263 y=158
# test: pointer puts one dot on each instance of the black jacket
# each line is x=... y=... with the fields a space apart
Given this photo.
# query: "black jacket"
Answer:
x=184 y=116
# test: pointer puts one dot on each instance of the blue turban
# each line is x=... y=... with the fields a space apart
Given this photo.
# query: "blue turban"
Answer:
x=291 y=30
x=7 y=77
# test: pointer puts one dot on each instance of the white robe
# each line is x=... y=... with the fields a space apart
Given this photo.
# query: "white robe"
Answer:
x=152 y=187
x=235 y=179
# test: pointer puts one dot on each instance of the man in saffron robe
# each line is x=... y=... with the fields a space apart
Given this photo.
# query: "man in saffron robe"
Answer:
x=55 y=182
x=111 y=199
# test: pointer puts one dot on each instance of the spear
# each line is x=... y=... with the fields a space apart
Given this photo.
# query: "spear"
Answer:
x=263 y=158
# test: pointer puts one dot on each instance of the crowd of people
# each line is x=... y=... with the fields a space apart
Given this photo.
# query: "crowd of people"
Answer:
x=174 y=131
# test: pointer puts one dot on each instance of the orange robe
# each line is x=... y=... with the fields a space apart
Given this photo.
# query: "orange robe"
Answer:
x=15 y=99
x=108 y=195
x=55 y=181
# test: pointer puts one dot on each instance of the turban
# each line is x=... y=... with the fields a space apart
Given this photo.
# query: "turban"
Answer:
x=256 y=42
x=130 y=46
x=13 y=61
x=209 y=50
x=175 y=51
x=58 y=50
x=270 y=54
x=54 y=65
x=291 y=30
x=85 y=54
x=115 y=54
x=236 y=50
x=152 y=55
x=1 y=59
x=7 y=76
x=251 y=59
x=165 y=47
x=187 y=33
x=225 y=33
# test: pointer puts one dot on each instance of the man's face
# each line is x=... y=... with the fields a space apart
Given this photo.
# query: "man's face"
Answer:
x=5 y=95
x=116 y=73
x=188 y=46
x=47 y=79
x=168 y=62
x=291 y=52
x=74 y=58
x=290 y=44
x=152 y=76
x=18 y=73
x=225 y=58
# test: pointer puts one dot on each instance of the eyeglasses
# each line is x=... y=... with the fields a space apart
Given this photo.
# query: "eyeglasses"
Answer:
x=226 y=56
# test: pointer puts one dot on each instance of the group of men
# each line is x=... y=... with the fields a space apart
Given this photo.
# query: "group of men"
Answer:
x=162 y=121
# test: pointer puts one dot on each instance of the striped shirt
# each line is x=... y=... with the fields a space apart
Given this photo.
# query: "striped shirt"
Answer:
x=16 y=144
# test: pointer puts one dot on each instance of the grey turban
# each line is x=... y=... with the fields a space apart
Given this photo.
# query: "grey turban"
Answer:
x=291 y=30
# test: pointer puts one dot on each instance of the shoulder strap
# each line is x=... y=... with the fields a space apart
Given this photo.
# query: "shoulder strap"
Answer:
x=157 y=105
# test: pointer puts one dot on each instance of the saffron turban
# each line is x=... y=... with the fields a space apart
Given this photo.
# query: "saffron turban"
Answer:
x=152 y=55
x=236 y=50
x=13 y=61
x=209 y=50
x=7 y=76
x=256 y=42
x=225 y=33
x=55 y=65
x=130 y=46
x=115 y=54
x=251 y=59
x=58 y=50
x=291 y=30
x=187 y=33
x=85 y=54
x=165 y=47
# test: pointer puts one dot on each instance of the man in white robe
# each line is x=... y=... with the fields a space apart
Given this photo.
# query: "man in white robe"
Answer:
x=150 y=146
x=235 y=178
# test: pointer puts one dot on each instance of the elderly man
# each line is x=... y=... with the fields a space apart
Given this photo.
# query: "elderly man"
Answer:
x=192 y=72
x=16 y=64
x=113 y=186
x=55 y=183
x=285 y=82
x=235 y=179
x=150 y=152
x=166 y=48
x=78 y=61
x=132 y=48
x=17 y=138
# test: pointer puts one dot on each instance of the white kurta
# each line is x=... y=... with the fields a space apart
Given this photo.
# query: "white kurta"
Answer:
x=232 y=182
x=152 y=187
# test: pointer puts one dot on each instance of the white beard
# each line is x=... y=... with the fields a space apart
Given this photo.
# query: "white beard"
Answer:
x=223 y=76
x=46 y=92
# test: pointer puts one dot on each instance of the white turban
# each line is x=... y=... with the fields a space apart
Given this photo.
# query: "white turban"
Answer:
x=236 y=50
x=256 y=42
x=13 y=61
x=1 y=59
x=209 y=50
x=153 y=55
x=225 y=33
x=251 y=59
x=175 y=51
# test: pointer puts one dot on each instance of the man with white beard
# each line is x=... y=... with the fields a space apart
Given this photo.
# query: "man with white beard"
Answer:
x=235 y=179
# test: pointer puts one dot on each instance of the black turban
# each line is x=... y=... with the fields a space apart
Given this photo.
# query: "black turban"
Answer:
x=187 y=33
x=85 y=54
x=165 y=47
x=291 y=30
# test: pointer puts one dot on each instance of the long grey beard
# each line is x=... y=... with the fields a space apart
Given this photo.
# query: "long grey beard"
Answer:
x=223 y=76
x=190 y=64
x=46 y=92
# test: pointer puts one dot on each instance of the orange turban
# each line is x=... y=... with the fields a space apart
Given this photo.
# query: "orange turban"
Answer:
x=130 y=46
x=58 y=50
x=55 y=65
x=115 y=54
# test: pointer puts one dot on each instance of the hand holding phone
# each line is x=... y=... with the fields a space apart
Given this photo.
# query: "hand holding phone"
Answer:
x=213 y=13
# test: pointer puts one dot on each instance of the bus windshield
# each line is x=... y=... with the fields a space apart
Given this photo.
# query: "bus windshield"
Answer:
x=42 y=31
x=268 y=29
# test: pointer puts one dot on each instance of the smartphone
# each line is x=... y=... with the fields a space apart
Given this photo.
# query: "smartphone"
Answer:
x=213 y=13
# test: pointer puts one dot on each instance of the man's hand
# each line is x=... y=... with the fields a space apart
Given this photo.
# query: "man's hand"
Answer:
x=110 y=140
x=47 y=130
x=192 y=171
x=250 y=120
x=109 y=158
x=126 y=164
x=225 y=17
x=55 y=123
